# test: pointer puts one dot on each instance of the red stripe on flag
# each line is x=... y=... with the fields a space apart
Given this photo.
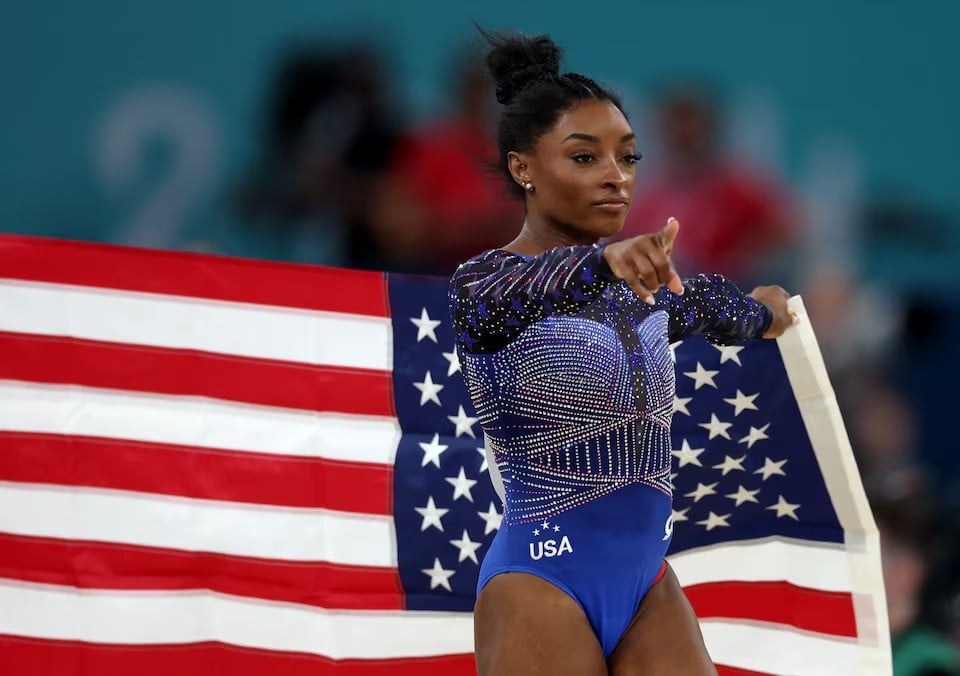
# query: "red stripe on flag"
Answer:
x=724 y=670
x=197 y=275
x=816 y=610
x=46 y=359
x=96 y=565
x=211 y=474
x=73 y=658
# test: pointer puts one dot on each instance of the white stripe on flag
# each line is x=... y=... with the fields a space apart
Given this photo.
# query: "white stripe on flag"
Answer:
x=196 y=421
x=152 y=618
x=285 y=533
x=267 y=332
x=815 y=566
x=777 y=650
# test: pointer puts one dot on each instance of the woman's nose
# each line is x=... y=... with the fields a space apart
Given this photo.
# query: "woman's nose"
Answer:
x=614 y=175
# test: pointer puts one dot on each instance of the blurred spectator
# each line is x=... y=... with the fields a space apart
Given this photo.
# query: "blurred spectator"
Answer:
x=882 y=427
x=908 y=550
x=856 y=324
x=732 y=220
x=331 y=132
x=858 y=329
x=443 y=202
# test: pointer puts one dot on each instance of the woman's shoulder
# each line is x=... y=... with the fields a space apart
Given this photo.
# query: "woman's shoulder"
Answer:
x=495 y=256
x=483 y=263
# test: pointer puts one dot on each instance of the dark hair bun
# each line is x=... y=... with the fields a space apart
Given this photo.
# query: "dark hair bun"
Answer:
x=515 y=60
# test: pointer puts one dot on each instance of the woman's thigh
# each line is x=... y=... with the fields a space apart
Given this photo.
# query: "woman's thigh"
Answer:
x=664 y=637
x=525 y=626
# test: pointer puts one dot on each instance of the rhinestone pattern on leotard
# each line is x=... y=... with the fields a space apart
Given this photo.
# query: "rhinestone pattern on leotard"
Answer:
x=571 y=373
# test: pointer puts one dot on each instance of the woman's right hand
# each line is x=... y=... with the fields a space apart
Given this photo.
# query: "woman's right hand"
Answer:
x=643 y=262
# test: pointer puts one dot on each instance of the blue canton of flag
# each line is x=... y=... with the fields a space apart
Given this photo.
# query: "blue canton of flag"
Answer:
x=445 y=508
x=743 y=466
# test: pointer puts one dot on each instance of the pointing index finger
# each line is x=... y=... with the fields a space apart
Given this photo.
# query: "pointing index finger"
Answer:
x=669 y=233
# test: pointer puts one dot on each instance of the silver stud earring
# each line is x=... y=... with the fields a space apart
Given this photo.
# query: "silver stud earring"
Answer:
x=528 y=186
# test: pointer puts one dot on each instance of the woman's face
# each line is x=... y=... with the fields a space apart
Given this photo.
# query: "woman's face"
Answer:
x=583 y=171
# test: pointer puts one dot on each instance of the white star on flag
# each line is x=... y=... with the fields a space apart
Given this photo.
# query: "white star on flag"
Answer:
x=463 y=422
x=673 y=350
x=461 y=486
x=743 y=495
x=468 y=548
x=729 y=353
x=432 y=451
x=454 y=360
x=680 y=405
x=714 y=521
x=701 y=491
x=483 y=454
x=742 y=402
x=680 y=515
x=439 y=577
x=729 y=464
x=687 y=455
x=702 y=377
x=425 y=326
x=755 y=435
x=491 y=519
x=784 y=508
x=428 y=390
x=715 y=427
x=770 y=468
x=431 y=515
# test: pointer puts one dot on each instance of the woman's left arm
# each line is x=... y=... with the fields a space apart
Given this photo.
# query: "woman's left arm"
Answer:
x=715 y=307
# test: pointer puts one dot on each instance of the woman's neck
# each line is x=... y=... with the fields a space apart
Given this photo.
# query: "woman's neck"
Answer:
x=535 y=238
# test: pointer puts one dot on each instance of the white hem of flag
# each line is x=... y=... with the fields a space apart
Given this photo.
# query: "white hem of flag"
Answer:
x=821 y=416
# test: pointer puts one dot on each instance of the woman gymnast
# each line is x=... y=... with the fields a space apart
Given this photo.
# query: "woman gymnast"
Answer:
x=564 y=344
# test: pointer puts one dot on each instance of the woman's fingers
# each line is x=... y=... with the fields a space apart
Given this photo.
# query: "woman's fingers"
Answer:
x=675 y=284
x=644 y=262
x=627 y=267
x=669 y=234
x=666 y=273
x=644 y=279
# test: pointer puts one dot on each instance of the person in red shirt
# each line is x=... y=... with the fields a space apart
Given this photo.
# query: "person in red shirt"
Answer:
x=443 y=201
x=736 y=218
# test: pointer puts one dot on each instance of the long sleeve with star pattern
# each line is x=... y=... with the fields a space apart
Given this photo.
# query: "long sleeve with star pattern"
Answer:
x=497 y=294
x=713 y=306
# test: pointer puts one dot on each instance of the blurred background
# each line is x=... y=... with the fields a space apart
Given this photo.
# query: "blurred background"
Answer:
x=813 y=145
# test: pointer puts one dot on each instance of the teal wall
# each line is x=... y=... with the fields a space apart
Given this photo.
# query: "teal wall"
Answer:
x=876 y=77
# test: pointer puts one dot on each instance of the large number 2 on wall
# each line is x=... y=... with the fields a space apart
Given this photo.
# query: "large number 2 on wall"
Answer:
x=184 y=123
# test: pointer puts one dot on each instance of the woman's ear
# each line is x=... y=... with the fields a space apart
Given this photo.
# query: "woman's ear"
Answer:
x=519 y=168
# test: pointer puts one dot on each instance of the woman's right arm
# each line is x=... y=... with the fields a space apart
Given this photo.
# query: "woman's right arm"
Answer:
x=495 y=296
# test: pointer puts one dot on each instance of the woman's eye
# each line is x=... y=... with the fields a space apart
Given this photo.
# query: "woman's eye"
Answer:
x=583 y=158
x=632 y=158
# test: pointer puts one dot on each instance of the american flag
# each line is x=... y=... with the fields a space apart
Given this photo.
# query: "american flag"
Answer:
x=213 y=465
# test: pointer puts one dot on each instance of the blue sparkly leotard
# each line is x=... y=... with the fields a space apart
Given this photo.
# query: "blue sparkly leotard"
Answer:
x=571 y=376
